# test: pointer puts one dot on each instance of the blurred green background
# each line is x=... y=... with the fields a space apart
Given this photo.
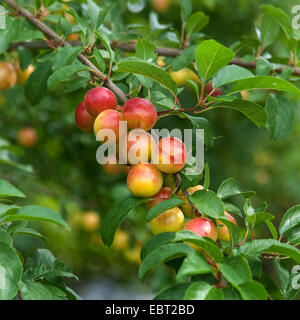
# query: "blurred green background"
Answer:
x=67 y=178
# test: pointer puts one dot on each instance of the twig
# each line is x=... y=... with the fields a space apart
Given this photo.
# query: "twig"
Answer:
x=49 y=33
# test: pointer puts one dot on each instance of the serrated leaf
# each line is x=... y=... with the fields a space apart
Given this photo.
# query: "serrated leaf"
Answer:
x=211 y=57
x=207 y=202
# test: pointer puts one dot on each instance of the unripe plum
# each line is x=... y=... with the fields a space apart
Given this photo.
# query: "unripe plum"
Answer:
x=139 y=144
x=22 y=75
x=84 y=120
x=90 y=221
x=144 y=180
x=171 y=155
x=27 y=137
x=202 y=227
x=108 y=119
x=99 y=99
x=163 y=194
x=121 y=240
x=223 y=231
x=209 y=88
x=169 y=221
x=139 y=113
x=8 y=76
x=182 y=76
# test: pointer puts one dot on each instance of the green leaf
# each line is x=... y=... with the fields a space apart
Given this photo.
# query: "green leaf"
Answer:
x=185 y=58
x=257 y=247
x=263 y=66
x=201 y=290
x=196 y=22
x=293 y=235
x=272 y=229
x=211 y=57
x=263 y=82
x=162 y=254
x=25 y=57
x=145 y=50
x=155 y=242
x=194 y=264
x=231 y=293
x=252 y=111
x=207 y=202
x=116 y=216
x=106 y=43
x=252 y=291
x=99 y=59
x=280 y=117
x=30 y=232
x=35 y=213
x=10 y=272
x=175 y=292
x=290 y=219
x=65 y=56
x=36 y=85
x=64 y=74
x=163 y=206
x=230 y=74
x=280 y=17
x=236 y=270
x=206 y=245
x=257 y=218
x=229 y=207
x=8 y=190
x=34 y=291
x=134 y=65
x=234 y=231
x=206 y=177
x=6 y=238
x=269 y=30
x=230 y=187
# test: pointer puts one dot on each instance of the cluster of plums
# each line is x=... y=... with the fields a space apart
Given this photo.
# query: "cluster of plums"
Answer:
x=154 y=180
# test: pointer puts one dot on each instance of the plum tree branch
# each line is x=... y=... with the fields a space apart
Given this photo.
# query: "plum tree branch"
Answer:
x=131 y=47
x=50 y=34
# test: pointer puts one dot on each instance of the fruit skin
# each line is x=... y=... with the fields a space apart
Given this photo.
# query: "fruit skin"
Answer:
x=169 y=221
x=8 y=76
x=139 y=113
x=108 y=119
x=121 y=240
x=171 y=155
x=187 y=208
x=84 y=120
x=99 y=99
x=161 y=6
x=163 y=194
x=22 y=75
x=139 y=144
x=112 y=167
x=90 y=221
x=27 y=137
x=223 y=232
x=144 y=180
x=203 y=227
x=209 y=88
x=182 y=76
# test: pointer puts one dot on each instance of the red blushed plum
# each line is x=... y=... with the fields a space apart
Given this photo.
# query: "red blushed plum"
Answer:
x=99 y=99
x=138 y=147
x=108 y=119
x=163 y=194
x=139 y=113
x=171 y=155
x=203 y=227
x=144 y=180
x=209 y=88
x=169 y=221
x=27 y=137
x=84 y=120
x=223 y=231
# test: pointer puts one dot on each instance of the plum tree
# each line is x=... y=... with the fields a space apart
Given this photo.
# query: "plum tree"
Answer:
x=137 y=146
x=171 y=155
x=163 y=194
x=84 y=120
x=203 y=227
x=210 y=90
x=144 y=180
x=99 y=99
x=108 y=119
x=187 y=208
x=27 y=137
x=139 y=113
x=169 y=221
x=8 y=76
x=223 y=232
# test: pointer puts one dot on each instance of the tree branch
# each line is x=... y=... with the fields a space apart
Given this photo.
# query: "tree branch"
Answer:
x=50 y=34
